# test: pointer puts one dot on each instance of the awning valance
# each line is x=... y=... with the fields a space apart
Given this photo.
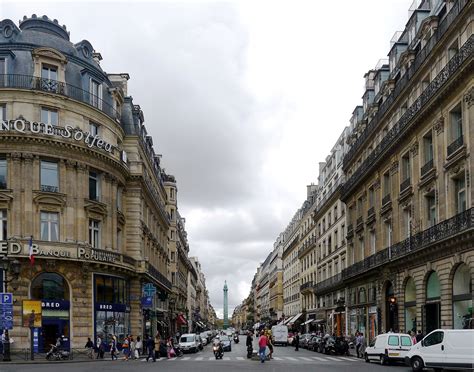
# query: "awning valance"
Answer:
x=308 y=321
x=295 y=318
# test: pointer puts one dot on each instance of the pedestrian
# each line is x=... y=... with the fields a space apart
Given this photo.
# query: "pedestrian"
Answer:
x=150 y=346
x=413 y=337
x=262 y=346
x=297 y=341
x=419 y=336
x=249 y=344
x=126 y=347
x=139 y=346
x=358 y=340
x=100 y=348
x=169 y=347
x=362 y=345
x=270 y=343
x=113 y=348
x=132 y=348
x=157 y=345
x=89 y=348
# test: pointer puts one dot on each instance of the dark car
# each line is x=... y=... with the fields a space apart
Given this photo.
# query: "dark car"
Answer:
x=314 y=342
x=226 y=342
x=304 y=340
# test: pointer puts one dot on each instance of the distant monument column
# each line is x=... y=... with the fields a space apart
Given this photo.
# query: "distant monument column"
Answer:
x=226 y=307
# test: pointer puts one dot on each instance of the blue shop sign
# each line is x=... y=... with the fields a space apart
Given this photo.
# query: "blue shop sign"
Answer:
x=55 y=305
x=119 y=308
x=147 y=301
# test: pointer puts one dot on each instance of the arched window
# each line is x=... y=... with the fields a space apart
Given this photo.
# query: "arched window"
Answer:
x=410 y=291
x=432 y=287
x=462 y=298
x=49 y=286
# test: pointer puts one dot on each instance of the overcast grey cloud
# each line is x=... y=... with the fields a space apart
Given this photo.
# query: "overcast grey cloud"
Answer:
x=242 y=98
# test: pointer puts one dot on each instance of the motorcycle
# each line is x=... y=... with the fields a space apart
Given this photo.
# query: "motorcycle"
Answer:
x=57 y=354
x=218 y=350
x=236 y=339
x=178 y=352
x=341 y=346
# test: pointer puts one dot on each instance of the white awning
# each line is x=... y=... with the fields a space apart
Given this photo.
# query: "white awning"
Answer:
x=308 y=321
x=295 y=318
x=288 y=320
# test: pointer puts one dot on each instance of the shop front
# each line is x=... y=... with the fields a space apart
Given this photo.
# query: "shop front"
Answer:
x=111 y=308
x=410 y=306
x=53 y=292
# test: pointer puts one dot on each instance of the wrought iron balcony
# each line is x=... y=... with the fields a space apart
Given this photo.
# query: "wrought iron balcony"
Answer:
x=427 y=167
x=360 y=221
x=405 y=80
x=49 y=188
x=159 y=277
x=456 y=144
x=386 y=199
x=400 y=129
x=451 y=227
x=328 y=284
x=405 y=184
x=306 y=287
x=370 y=212
x=30 y=82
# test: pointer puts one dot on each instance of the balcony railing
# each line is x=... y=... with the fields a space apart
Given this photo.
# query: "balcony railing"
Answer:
x=328 y=284
x=57 y=87
x=406 y=79
x=456 y=144
x=306 y=286
x=460 y=223
x=159 y=277
x=371 y=211
x=49 y=188
x=400 y=128
x=386 y=199
x=427 y=167
x=405 y=184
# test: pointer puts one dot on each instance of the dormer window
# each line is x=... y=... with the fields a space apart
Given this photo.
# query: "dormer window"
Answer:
x=49 y=78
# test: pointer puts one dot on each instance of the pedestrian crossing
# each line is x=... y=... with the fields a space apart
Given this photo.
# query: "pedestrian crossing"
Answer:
x=293 y=359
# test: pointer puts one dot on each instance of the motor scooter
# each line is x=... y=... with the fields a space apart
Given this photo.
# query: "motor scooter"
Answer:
x=218 y=350
x=236 y=338
x=55 y=353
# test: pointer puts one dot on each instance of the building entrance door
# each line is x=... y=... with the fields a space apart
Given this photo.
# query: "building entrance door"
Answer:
x=433 y=316
x=48 y=337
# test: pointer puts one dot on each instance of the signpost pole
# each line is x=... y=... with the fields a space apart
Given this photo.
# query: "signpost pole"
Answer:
x=32 y=346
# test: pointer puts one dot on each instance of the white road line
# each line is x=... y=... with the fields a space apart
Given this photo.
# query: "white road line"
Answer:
x=171 y=359
x=185 y=358
x=239 y=358
x=225 y=358
x=199 y=358
x=290 y=358
x=319 y=359
x=212 y=358
x=304 y=358
x=350 y=359
x=335 y=359
x=277 y=358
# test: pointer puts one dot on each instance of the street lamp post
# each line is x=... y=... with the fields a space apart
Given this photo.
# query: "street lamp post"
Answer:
x=7 y=264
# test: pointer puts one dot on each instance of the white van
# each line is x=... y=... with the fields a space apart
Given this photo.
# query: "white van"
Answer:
x=189 y=343
x=443 y=349
x=388 y=347
x=280 y=335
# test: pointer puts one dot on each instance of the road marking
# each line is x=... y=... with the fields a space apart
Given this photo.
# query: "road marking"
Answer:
x=225 y=358
x=199 y=358
x=290 y=358
x=304 y=358
x=335 y=359
x=319 y=359
x=239 y=358
x=186 y=358
x=171 y=359
x=346 y=358
x=277 y=358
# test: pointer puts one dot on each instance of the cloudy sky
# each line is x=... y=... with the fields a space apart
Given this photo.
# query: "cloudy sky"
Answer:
x=242 y=98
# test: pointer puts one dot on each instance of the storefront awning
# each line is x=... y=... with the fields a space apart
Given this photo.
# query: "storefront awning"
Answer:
x=295 y=318
x=181 y=319
x=288 y=320
x=319 y=320
x=308 y=321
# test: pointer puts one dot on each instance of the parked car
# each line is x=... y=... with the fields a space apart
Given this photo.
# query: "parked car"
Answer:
x=200 y=342
x=226 y=342
x=443 y=349
x=189 y=343
x=314 y=342
x=388 y=347
x=203 y=337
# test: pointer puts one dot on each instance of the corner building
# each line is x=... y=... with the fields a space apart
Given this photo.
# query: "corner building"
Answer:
x=408 y=191
x=79 y=177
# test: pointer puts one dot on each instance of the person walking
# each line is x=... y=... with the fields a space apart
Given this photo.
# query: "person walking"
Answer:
x=262 y=346
x=249 y=344
x=133 y=345
x=99 y=348
x=419 y=336
x=126 y=347
x=150 y=346
x=89 y=348
x=270 y=343
x=157 y=345
x=297 y=341
x=113 y=348
x=139 y=347
x=362 y=345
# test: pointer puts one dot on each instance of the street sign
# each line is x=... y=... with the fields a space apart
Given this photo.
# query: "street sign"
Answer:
x=6 y=311
x=147 y=301
x=149 y=290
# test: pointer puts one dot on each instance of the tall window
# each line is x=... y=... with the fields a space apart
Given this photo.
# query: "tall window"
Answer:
x=431 y=210
x=119 y=240
x=371 y=197
x=460 y=194
x=359 y=207
x=3 y=110
x=428 y=147
x=3 y=66
x=361 y=249
x=93 y=128
x=388 y=233
x=386 y=184
x=372 y=242
x=49 y=78
x=407 y=222
x=119 y=198
x=95 y=94
x=3 y=224
x=455 y=117
x=50 y=226
x=49 y=176
x=406 y=167
x=3 y=173
x=94 y=233
x=49 y=116
x=94 y=186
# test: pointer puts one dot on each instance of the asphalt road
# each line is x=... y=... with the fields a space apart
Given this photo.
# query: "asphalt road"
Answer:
x=285 y=358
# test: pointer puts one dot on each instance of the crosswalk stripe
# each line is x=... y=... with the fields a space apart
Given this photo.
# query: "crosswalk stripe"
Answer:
x=277 y=358
x=291 y=358
x=239 y=358
x=335 y=359
x=225 y=358
x=346 y=358
x=171 y=359
x=319 y=359
x=304 y=358
x=212 y=358
x=186 y=358
x=199 y=358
